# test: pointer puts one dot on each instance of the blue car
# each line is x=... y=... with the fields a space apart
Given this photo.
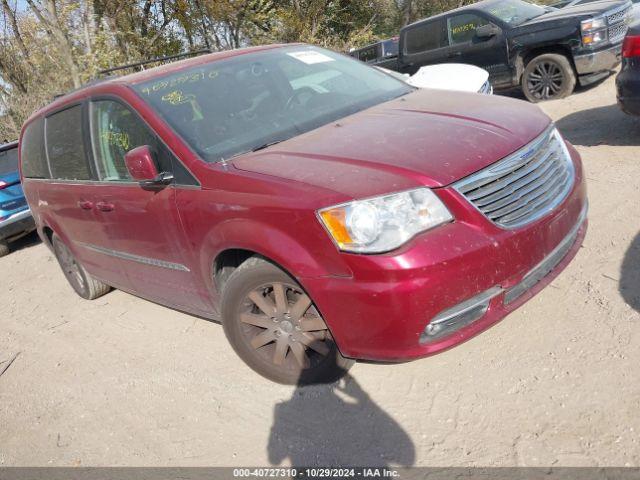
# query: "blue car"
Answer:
x=15 y=216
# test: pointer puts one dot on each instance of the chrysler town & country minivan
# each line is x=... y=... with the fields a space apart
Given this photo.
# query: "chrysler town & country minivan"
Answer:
x=322 y=210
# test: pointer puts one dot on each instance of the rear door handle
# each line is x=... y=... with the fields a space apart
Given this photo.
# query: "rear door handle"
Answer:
x=85 y=205
x=454 y=54
x=105 y=207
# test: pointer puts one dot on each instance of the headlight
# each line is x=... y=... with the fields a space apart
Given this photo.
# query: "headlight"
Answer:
x=593 y=24
x=383 y=223
x=593 y=30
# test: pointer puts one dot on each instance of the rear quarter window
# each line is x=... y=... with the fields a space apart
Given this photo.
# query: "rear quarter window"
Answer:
x=425 y=37
x=65 y=145
x=32 y=153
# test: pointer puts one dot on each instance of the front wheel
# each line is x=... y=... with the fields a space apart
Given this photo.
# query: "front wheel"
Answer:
x=82 y=282
x=274 y=327
x=548 y=77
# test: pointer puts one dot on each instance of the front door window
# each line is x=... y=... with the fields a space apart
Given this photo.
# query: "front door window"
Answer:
x=462 y=28
x=115 y=130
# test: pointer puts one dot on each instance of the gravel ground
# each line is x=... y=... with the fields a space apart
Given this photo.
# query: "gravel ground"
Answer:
x=121 y=381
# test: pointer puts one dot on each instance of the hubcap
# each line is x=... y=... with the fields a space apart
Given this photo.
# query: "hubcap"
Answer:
x=281 y=324
x=545 y=81
x=69 y=266
x=286 y=326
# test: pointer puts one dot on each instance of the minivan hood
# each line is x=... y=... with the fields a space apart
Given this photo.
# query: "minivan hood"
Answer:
x=429 y=137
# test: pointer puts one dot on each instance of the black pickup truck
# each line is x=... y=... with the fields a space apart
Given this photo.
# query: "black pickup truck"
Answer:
x=381 y=54
x=542 y=49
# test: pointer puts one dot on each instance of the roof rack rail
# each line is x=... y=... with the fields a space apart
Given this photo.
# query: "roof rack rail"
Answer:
x=108 y=71
x=154 y=60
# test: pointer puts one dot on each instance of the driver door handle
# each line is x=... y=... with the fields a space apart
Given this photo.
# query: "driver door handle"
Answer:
x=105 y=206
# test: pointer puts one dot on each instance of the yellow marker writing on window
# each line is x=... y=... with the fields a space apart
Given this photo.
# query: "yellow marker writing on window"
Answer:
x=177 y=97
x=117 y=139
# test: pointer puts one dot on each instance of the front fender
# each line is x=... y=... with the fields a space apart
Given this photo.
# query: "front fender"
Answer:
x=283 y=248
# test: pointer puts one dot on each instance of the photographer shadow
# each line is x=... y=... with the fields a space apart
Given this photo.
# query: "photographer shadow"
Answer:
x=337 y=425
x=630 y=275
x=604 y=125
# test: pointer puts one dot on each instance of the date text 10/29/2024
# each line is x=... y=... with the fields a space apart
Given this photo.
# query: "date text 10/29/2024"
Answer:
x=316 y=472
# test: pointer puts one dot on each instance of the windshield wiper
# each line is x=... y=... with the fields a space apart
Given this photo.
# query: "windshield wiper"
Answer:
x=253 y=149
x=265 y=145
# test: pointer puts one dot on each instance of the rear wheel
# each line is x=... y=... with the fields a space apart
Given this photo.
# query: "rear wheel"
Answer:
x=4 y=248
x=548 y=77
x=82 y=282
x=274 y=327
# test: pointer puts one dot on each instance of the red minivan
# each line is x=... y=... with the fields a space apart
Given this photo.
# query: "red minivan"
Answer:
x=322 y=210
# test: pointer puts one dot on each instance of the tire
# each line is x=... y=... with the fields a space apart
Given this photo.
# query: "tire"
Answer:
x=284 y=339
x=548 y=76
x=4 y=248
x=80 y=280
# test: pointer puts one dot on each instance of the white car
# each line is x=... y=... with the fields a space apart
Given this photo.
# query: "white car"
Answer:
x=448 y=76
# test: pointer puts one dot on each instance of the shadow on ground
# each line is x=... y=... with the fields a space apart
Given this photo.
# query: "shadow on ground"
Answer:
x=630 y=275
x=614 y=127
x=337 y=424
x=27 y=241
x=604 y=125
x=579 y=90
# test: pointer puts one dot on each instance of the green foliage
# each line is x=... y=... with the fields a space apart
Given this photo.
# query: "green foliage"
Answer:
x=53 y=46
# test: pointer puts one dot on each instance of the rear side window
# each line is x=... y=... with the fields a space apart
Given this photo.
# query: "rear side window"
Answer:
x=114 y=131
x=9 y=161
x=65 y=145
x=425 y=37
x=369 y=54
x=462 y=28
x=390 y=48
x=34 y=160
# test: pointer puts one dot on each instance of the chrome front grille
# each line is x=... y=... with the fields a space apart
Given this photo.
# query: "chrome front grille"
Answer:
x=617 y=32
x=524 y=186
x=619 y=15
x=618 y=21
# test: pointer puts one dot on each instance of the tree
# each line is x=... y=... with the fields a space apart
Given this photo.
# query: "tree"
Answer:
x=52 y=46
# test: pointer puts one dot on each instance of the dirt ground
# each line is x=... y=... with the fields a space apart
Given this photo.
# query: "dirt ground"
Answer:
x=121 y=381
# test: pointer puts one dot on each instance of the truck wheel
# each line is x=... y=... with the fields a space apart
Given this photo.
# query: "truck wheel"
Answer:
x=4 y=248
x=82 y=282
x=548 y=77
x=274 y=327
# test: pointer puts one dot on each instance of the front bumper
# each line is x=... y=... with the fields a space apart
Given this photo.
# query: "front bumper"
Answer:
x=17 y=225
x=381 y=312
x=598 y=61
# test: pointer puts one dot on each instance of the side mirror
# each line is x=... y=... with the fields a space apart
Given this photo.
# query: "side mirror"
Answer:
x=487 y=31
x=142 y=168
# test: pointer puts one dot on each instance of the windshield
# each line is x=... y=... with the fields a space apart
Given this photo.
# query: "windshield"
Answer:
x=228 y=107
x=513 y=12
x=9 y=161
